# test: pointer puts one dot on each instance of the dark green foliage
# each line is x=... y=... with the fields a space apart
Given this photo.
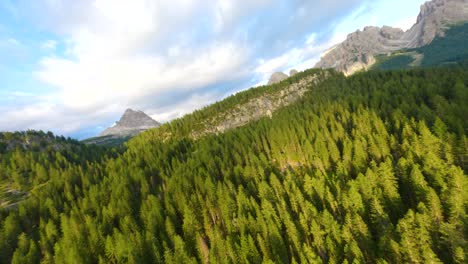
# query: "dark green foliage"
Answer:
x=365 y=169
x=108 y=141
x=452 y=48
x=393 y=62
x=29 y=159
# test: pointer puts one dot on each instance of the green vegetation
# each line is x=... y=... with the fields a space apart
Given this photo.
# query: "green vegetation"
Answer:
x=447 y=50
x=366 y=169
x=29 y=159
x=452 y=48
x=399 y=60
x=108 y=141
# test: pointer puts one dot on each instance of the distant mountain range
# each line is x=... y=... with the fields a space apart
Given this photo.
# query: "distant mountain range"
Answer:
x=361 y=48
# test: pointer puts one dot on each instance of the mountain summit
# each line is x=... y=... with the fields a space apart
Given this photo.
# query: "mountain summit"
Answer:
x=358 y=51
x=131 y=123
x=279 y=76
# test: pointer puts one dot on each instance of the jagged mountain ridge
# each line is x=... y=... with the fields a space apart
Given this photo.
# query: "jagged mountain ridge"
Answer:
x=131 y=123
x=358 y=51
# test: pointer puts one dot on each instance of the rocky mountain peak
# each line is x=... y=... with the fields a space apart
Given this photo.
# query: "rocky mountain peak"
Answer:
x=131 y=123
x=358 y=50
x=433 y=19
x=132 y=118
x=277 y=77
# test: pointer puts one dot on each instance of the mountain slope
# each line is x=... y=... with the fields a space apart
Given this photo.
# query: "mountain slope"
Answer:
x=242 y=108
x=29 y=159
x=366 y=169
x=359 y=50
x=447 y=50
x=435 y=17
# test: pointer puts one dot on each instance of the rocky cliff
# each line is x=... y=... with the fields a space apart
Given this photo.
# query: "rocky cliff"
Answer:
x=434 y=18
x=358 y=50
x=131 y=123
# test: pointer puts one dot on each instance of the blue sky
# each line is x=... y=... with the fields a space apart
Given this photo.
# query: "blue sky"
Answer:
x=73 y=67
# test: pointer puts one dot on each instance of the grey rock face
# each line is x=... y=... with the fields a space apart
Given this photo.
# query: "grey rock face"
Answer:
x=131 y=123
x=277 y=77
x=435 y=16
x=358 y=50
x=292 y=72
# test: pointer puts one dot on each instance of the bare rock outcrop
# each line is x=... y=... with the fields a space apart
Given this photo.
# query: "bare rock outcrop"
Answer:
x=293 y=72
x=358 y=50
x=277 y=77
x=434 y=18
x=131 y=123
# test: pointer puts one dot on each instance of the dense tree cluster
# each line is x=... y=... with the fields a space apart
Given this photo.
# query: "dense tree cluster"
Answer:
x=28 y=159
x=366 y=169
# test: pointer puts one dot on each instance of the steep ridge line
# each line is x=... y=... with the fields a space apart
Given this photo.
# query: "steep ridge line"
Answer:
x=258 y=107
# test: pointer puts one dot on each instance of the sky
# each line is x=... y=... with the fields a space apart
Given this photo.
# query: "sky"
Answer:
x=73 y=67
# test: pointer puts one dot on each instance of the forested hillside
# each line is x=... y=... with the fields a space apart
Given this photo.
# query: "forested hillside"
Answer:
x=367 y=169
x=29 y=159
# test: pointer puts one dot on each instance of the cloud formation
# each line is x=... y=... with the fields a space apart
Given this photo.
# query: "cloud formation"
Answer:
x=164 y=57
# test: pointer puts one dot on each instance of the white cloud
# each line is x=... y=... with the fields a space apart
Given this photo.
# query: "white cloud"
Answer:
x=229 y=12
x=11 y=44
x=92 y=82
x=32 y=117
x=112 y=62
x=144 y=54
x=49 y=45
x=184 y=107
x=303 y=57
